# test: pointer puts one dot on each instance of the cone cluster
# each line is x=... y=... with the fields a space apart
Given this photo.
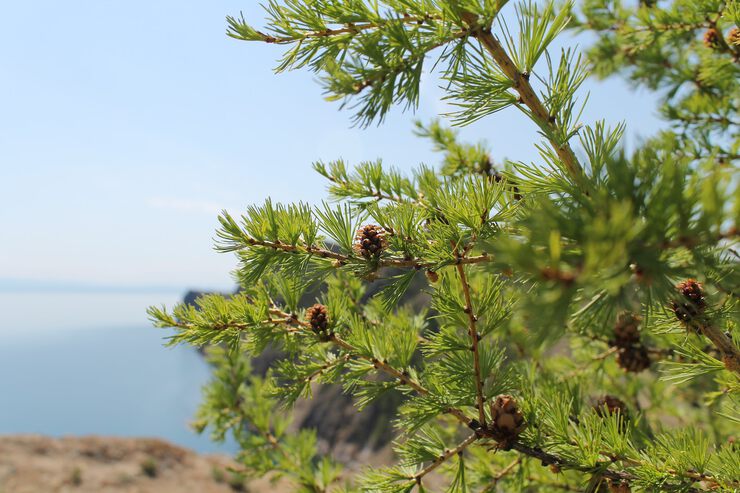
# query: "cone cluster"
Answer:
x=692 y=303
x=632 y=355
x=318 y=317
x=370 y=241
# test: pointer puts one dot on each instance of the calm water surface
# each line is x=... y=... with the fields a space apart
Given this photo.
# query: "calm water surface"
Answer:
x=87 y=363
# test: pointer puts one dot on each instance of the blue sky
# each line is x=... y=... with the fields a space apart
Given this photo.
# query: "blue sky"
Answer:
x=125 y=126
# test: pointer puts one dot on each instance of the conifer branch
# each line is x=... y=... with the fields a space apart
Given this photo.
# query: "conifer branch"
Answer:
x=376 y=195
x=502 y=474
x=341 y=259
x=551 y=459
x=447 y=454
x=286 y=247
x=378 y=364
x=730 y=352
x=404 y=64
x=473 y=332
x=401 y=376
x=623 y=28
x=521 y=84
x=349 y=28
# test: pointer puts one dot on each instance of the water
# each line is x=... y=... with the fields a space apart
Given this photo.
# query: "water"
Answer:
x=86 y=363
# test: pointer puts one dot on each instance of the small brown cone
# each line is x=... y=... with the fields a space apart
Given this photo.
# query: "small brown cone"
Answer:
x=627 y=329
x=370 y=241
x=432 y=276
x=733 y=38
x=318 y=317
x=507 y=421
x=692 y=302
x=633 y=358
x=711 y=38
x=611 y=405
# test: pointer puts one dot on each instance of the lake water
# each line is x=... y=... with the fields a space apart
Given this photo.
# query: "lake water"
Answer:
x=91 y=363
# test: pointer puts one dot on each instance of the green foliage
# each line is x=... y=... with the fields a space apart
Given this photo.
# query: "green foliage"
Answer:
x=149 y=468
x=555 y=331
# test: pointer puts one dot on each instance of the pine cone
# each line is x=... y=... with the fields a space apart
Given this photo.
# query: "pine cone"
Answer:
x=711 y=38
x=627 y=329
x=370 y=241
x=633 y=358
x=507 y=421
x=318 y=317
x=432 y=276
x=733 y=38
x=610 y=404
x=693 y=303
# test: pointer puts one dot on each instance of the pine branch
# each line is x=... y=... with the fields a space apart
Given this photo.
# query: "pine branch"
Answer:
x=473 y=332
x=502 y=474
x=349 y=28
x=378 y=364
x=623 y=28
x=730 y=352
x=310 y=249
x=444 y=457
x=551 y=459
x=341 y=259
x=526 y=93
x=642 y=219
x=404 y=64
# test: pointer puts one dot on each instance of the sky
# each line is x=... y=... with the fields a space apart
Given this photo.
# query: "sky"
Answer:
x=126 y=126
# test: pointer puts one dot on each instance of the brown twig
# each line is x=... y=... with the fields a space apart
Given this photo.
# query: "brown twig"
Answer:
x=548 y=458
x=344 y=259
x=402 y=377
x=349 y=28
x=473 y=332
x=502 y=474
x=730 y=352
x=444 y=457
x=520 y=82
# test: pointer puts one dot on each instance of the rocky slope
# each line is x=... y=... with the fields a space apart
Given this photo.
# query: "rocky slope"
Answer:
x=34 y=464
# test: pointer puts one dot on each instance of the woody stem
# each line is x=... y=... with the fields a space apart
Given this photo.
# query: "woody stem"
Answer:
x=444 y=457
x=520 y=82
x=473 y=332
